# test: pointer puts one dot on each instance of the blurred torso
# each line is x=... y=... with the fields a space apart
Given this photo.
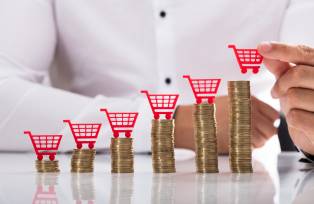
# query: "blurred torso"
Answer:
x=118 y=47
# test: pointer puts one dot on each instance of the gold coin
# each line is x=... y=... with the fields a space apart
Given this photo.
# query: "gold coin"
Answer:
x=162 y=143
x=82 y=160
x=240 y=151
x=122 y=155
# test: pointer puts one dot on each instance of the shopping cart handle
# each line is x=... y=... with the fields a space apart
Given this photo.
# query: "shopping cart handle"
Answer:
x=27 y=132
x=144 y=91
x=231 y=46
x=186 y=76
x=104 y=109
x=66 y=121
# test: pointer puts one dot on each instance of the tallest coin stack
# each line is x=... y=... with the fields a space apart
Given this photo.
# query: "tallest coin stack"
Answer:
x=205 y=124
x=162 y=133
x=240 y=126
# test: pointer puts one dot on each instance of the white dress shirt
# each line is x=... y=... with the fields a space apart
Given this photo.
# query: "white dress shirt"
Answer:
x=65 y=59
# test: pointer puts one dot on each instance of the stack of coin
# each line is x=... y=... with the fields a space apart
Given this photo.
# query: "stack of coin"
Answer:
x=162 y=139
x=83 y=160
x=122 y=155
x=205 y=138
x=240 y=126
x=47 y=166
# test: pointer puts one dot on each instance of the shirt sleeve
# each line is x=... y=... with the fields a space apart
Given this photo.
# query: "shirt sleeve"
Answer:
x=297 y=28
x=27 y=44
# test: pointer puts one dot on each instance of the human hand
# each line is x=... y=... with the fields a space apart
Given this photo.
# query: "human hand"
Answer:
x=263 y=117
x=293 y=67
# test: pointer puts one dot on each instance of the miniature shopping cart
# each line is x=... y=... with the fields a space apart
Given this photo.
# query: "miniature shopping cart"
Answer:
x=84 y=133
x=121 y=122
x=204 y=88
x=45 y=196
x=162 y=104
x=45 y=144
x=248 y=59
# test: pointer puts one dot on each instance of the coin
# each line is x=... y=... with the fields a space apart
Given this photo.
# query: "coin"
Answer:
x=47 y=166
x=82 y=160
x=122 y=155
x=162 y=141
x=240 y=127
x=205 y=138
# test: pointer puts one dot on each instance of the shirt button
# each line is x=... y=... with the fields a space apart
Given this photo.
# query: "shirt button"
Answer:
x=168 y=81
x=162 y=14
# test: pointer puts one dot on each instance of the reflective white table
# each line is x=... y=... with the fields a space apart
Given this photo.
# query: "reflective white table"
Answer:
x=288 y=182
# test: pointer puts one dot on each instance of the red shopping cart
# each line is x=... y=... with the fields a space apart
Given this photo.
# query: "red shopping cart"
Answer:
x=204 y=88
x=84 y=133
x=162 y=104
x=45 y=144
x=121 y=122
x=248 y=59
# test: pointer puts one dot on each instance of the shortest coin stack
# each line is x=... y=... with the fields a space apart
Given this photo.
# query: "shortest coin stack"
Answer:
x=163 y=146
x=122 y=155
x=47 y=166
x=83 y=160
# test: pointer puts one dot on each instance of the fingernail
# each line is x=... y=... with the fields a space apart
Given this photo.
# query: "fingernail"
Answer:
x=265 y=46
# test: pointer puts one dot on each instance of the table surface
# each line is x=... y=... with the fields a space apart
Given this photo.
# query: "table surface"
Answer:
x=289 y=181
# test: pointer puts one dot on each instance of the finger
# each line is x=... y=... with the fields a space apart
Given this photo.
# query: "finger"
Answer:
x=265 y=126
x=258 y=140
x=302 y=140
x=298 y=98
x=266 y=110
x=298 y=77
x=301 y=120
x=297 y=54
x=276 y=67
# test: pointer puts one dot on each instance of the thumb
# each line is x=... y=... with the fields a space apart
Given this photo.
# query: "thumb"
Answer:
x=274 y=65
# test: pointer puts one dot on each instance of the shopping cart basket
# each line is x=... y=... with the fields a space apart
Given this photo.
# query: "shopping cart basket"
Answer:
x=84 y=133
x=45 y=144
x=162 y=104
x=121 y=122
x=248 y=59
x=204 y=88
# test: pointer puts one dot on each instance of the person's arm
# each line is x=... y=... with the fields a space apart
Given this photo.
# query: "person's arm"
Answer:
x=27 y=44
x=263 y=117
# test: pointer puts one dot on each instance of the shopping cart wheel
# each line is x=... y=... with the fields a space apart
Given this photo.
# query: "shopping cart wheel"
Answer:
x=91 y=145
x=210 y=100
x=52 y=157
x=79 y=145
x=168 y=116
x=198 y=100
x=40 y=157
x=156 y=116
x=243 y=70
x=255 y=70
x=116 y=134
x=128 y=134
